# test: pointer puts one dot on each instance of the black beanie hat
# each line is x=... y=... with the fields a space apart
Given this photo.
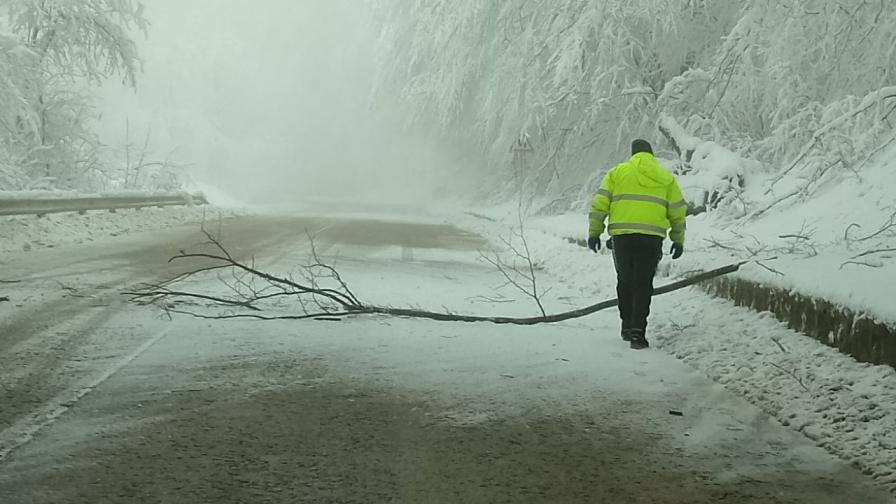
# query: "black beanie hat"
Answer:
x=641 y=146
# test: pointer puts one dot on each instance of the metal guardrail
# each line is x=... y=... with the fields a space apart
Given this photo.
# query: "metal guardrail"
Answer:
x=43 y=206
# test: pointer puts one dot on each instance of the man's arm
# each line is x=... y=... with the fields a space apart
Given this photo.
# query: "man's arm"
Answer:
x=600 y=207
x=676 y=214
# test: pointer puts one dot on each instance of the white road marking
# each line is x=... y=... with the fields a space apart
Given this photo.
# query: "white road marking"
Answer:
x=23 y=431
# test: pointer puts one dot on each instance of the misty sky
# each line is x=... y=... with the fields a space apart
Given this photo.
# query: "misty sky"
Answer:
x=267 y=98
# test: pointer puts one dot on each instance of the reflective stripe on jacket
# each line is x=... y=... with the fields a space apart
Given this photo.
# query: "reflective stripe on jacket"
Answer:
x=639 y=196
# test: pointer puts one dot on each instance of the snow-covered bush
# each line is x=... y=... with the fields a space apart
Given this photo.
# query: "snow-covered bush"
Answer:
x=712 y=176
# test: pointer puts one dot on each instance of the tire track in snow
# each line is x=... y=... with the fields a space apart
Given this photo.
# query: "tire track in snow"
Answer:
x=26 y=428
x=73 y=321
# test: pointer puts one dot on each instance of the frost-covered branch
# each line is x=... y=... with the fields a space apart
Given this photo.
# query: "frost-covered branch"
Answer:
x=873 y=99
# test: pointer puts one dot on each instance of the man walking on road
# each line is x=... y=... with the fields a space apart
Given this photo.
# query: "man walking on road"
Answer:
x=643 y=202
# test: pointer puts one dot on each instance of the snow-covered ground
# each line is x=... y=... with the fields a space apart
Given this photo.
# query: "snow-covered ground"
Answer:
x=845 y=406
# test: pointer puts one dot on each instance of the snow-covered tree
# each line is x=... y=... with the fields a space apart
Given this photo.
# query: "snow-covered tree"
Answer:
x=52 y=51
x=795 y=86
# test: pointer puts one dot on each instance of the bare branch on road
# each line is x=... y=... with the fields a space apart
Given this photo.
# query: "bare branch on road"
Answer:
x=324 y=295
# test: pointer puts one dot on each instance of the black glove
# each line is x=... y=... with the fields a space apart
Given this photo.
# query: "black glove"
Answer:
x=594 y=243
x=677 y=250
x=610 y=243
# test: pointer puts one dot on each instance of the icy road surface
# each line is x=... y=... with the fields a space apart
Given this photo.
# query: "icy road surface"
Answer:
x=102 y=401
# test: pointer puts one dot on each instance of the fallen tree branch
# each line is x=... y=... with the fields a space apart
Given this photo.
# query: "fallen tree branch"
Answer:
x=340 y=302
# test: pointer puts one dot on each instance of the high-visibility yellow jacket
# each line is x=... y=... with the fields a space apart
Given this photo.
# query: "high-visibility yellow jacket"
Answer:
x=641 y=197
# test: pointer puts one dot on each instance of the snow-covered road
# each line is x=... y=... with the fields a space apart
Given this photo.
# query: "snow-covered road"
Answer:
x=103 y=401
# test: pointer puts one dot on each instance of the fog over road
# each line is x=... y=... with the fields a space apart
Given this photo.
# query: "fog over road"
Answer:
x=105 y=401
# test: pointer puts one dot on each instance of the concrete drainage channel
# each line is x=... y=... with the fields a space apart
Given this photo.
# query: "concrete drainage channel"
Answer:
x=849 y=331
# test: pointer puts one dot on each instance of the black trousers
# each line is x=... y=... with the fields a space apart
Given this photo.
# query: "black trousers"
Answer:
x=636 y=257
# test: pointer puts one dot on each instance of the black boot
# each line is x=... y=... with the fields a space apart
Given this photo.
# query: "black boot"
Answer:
x=638 y=340
x=626 y=335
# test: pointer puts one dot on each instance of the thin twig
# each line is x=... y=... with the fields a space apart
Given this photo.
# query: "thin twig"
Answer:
x=167 y=293
x=487 y=299
x=67 y=287
x=793 y=375
x=861 y=263
x=873 y=252
x=846 y=231
x=770 y=269
x=890 y=224
x=778 y=342
x=716 y=243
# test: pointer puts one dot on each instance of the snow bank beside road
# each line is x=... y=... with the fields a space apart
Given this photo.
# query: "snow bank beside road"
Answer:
x=848 y=408
x=24 y=233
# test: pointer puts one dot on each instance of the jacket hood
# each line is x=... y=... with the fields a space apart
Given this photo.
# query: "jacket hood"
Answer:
x=650 y=173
